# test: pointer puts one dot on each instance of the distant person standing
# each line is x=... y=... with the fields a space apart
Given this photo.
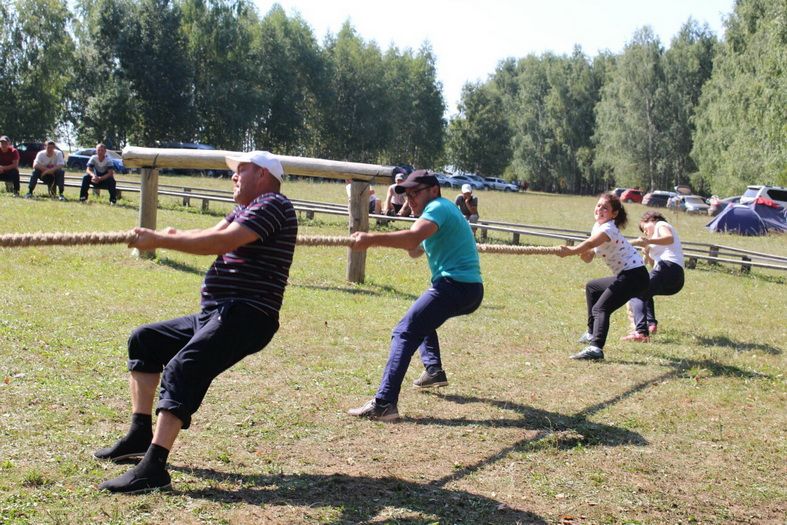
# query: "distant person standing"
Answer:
x=48 y=166
x=396 y=203
x=467 y=203
x=9 y=163
x=100 y=174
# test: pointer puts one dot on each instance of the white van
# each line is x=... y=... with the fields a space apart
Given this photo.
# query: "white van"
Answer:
x=776 y=193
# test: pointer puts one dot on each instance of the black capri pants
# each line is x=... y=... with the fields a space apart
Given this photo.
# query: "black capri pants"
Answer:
x=192 y=350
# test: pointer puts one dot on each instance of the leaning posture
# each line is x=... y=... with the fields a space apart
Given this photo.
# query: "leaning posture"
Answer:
x=457 y=288
x=607 y=294
x=664 y=254
x=241 y=297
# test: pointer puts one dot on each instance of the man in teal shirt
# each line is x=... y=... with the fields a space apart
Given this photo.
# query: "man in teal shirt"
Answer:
x=441 y=232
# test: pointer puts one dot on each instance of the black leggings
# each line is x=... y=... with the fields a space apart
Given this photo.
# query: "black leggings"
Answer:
x=666 y=279
x=607 y=294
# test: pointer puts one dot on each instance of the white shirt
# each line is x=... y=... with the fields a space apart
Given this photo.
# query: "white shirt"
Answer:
x=667 y=252
x=616 y=252
x=49 y=162
x=99 y=167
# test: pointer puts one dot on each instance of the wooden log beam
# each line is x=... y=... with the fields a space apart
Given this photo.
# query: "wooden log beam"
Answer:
x=136 y=157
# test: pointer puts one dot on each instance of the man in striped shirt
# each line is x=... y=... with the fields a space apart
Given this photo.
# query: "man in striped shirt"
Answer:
x=241 y=297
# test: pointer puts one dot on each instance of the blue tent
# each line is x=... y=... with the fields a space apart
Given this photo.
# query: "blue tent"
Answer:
x=772 y=214
x=738 y=219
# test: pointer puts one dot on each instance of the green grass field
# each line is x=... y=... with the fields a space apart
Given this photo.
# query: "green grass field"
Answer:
x=687 y=429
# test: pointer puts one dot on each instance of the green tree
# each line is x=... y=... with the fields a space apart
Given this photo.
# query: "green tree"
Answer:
x=288 y=71
x=37 y=49
x=741 y=135
x=227 y=96
x=479 y=137
x=629 y=123
x=687 y=65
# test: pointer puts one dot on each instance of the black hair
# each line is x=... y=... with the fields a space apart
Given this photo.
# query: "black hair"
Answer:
x=616 y=206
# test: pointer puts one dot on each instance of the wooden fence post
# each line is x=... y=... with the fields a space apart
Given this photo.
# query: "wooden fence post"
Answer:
x=713 y=251
x=186 y=200
x=148 y=206
x=746 y=268
x=359 y=222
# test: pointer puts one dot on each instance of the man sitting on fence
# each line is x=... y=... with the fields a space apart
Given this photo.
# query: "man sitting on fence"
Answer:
x=100 y=174
x=241 y=297
x=9 y=163
x=48 y=166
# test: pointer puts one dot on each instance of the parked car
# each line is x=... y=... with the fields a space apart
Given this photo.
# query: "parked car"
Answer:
x=693 y=204
x=500 y=184
x=28 y=152
x=775 y=193
x=618 y=191
x=478 y=178
x=193 y=145
x=78 y=160
x=631 y=195
x=718 y=205
x=658 y=198
x=443 y=179
x=457 y=181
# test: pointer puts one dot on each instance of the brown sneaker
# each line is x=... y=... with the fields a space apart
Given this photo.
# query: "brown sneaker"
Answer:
x=428 y=380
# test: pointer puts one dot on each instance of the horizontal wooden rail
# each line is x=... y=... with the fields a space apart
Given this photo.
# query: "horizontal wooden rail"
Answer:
x=136 y=157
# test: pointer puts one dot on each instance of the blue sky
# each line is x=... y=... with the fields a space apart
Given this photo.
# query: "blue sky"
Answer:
x=469 y=38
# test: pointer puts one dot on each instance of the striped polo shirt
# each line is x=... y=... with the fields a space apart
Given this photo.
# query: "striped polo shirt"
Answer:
x=256 y=273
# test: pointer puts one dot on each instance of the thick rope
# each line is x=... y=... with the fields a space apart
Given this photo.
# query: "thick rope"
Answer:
x=20 y=240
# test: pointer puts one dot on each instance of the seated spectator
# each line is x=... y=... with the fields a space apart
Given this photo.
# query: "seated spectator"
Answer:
x=375 y=206
x=9 y=163
x=396 y=203
x=100 y=174
x=48 y=166
x=467 y=204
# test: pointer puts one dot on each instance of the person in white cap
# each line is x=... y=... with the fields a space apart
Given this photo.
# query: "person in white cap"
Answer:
x=468 y=204
x=241 y=297
x=396 y=203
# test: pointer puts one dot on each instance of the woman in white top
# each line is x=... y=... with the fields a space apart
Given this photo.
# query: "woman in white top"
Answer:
x=607 y=294
x=663 y=252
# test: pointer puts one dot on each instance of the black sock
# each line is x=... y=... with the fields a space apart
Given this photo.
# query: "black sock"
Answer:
x=141 y=427
x=433 y=369
x=155 y=459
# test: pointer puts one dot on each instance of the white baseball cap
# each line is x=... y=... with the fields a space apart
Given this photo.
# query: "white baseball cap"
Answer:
x=399 y=176
x=263 y=159
x=466 y=188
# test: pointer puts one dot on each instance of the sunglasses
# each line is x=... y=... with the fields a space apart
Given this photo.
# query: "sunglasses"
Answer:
x=413 y=193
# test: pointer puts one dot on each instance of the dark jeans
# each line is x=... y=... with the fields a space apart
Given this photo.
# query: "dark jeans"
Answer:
x=606 y=295
x=57 y=178
x=666 y=279
x=446 y=298
x=11 y=176
x=194 y=349
x=106 y=184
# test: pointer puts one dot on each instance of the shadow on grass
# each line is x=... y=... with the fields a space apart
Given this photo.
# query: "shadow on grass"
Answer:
x=726 y=342
x=181 y=267
x=377 y=291
x=689 y=367
x=360 y=499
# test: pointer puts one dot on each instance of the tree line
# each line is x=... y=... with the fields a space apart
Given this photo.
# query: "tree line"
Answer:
x=706 y=111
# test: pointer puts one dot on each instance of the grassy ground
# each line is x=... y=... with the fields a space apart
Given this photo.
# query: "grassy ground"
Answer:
x=688 y=429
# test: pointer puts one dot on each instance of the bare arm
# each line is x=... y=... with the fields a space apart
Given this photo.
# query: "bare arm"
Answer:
x=585 y=248
x=222 y=238
x=409 y=240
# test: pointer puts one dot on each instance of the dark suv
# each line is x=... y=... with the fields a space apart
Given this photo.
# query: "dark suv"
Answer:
x=28 y=152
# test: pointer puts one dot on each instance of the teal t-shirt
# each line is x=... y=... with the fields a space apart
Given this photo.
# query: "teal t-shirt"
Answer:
x=451 y=251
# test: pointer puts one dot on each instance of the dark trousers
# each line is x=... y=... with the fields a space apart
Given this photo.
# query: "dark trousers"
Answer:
x=11 y=176
x=606 y=295
x=58 y=179
x=667 y=278
x=446 y=298
x=192 y=350
x=106 y=184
